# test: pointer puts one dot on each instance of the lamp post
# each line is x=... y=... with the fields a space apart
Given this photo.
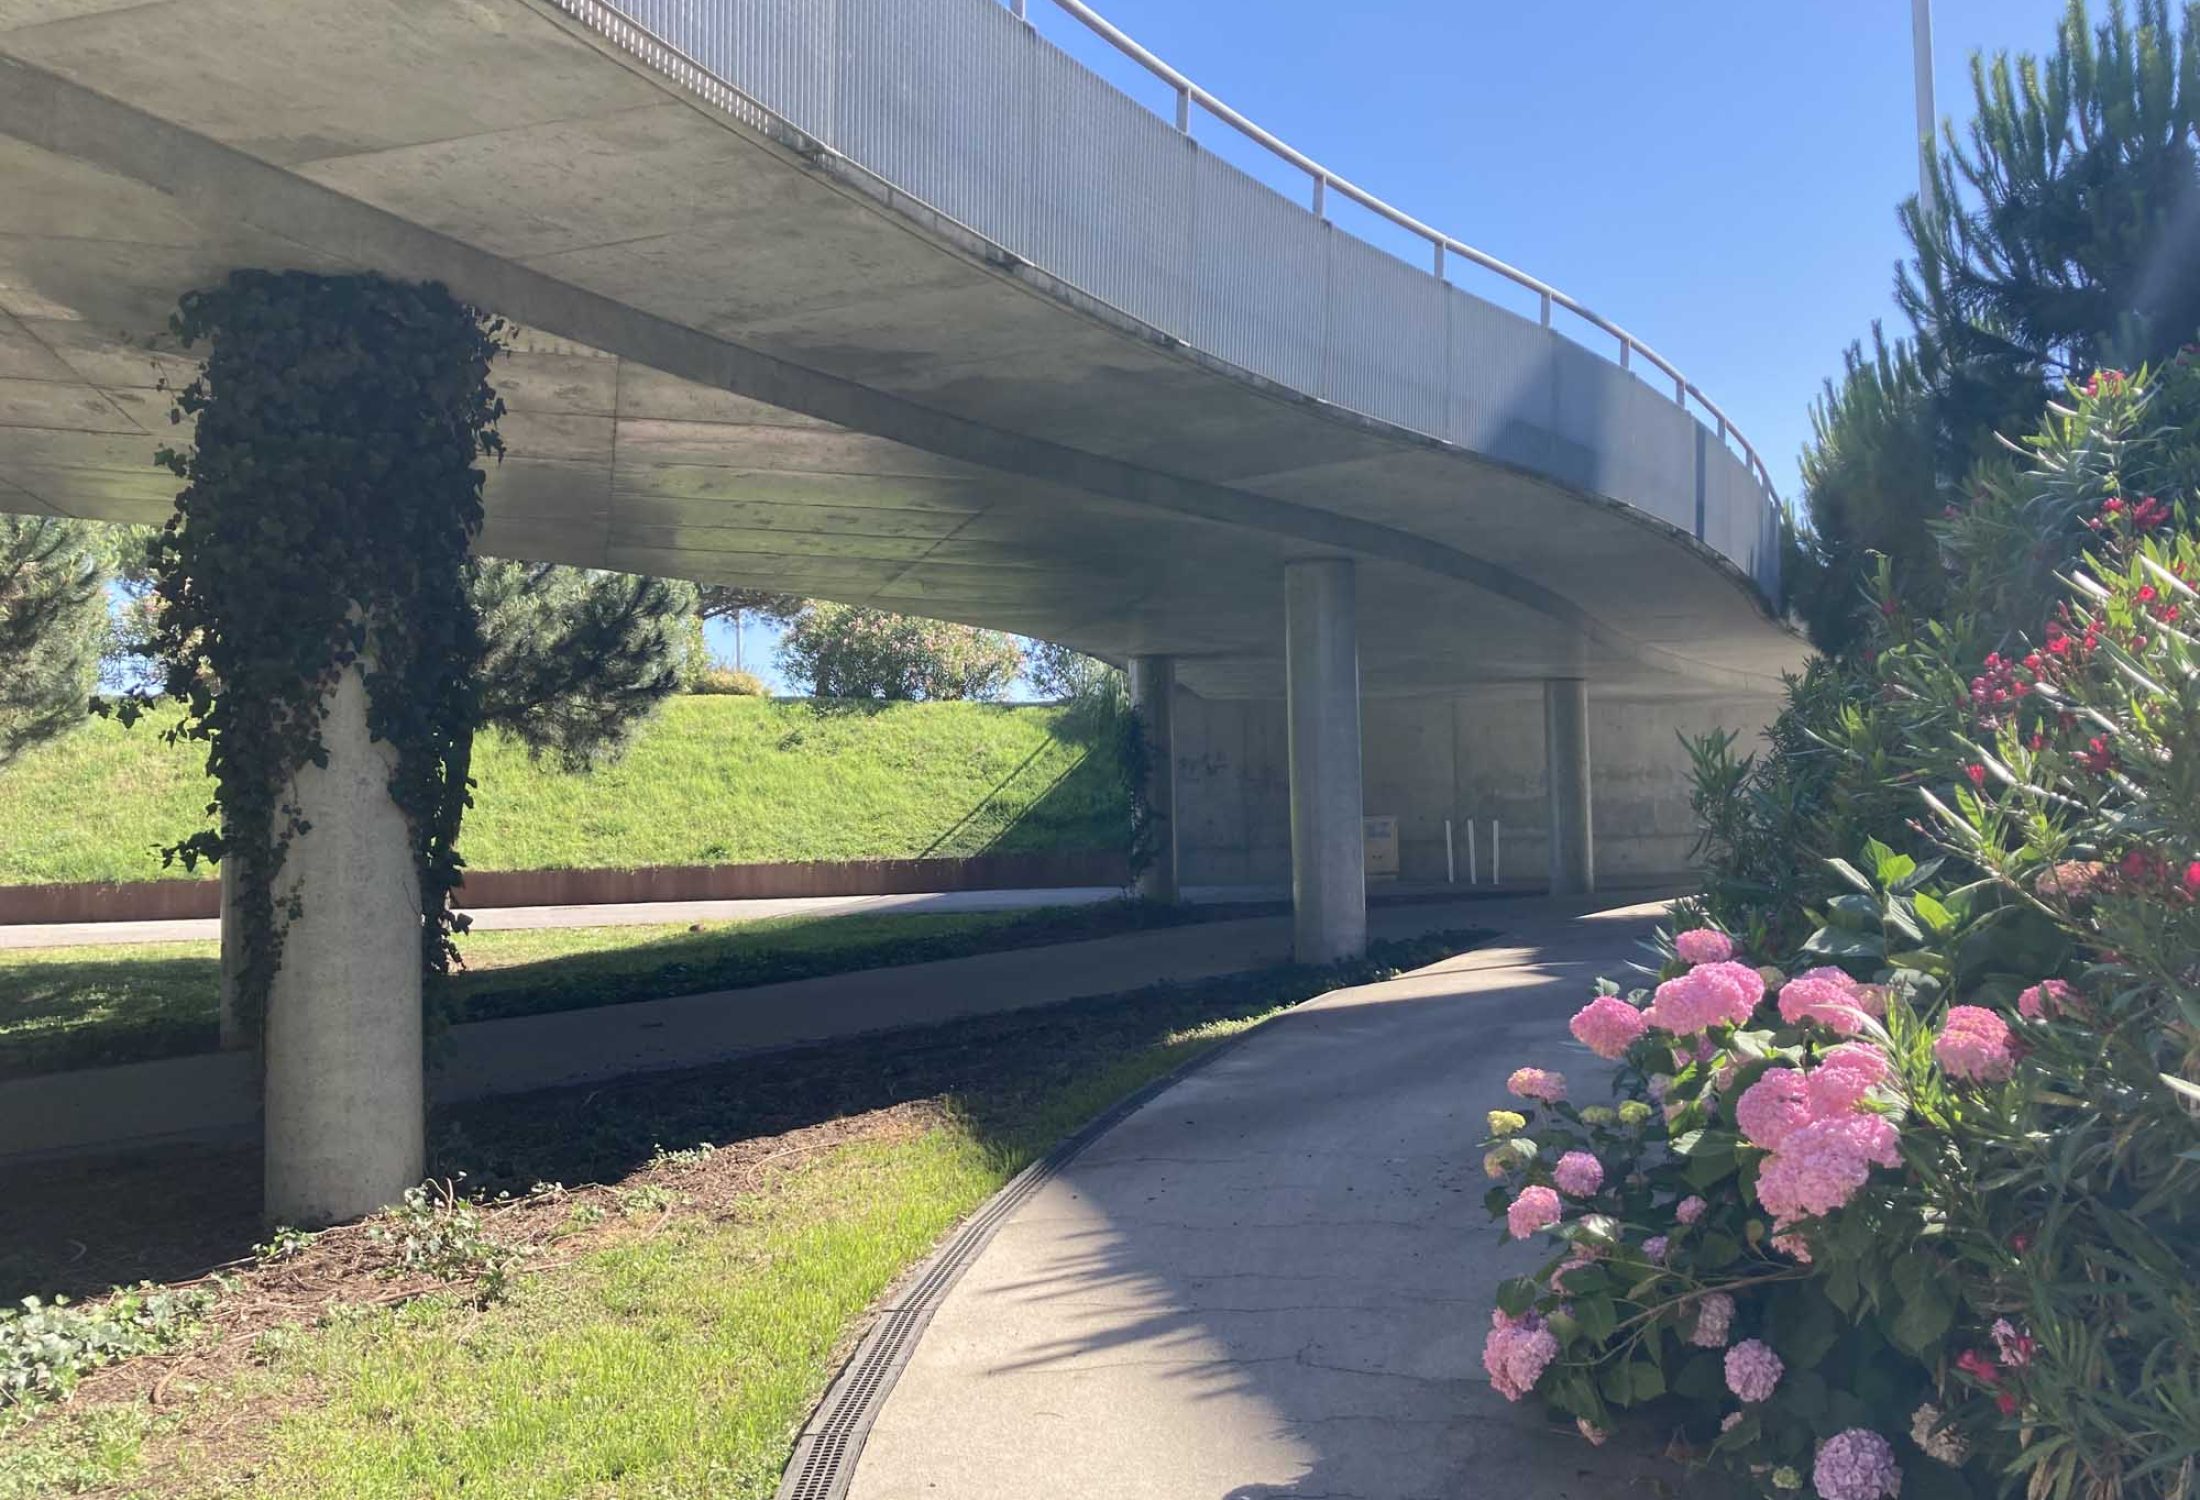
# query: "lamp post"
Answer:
x=1921 y=49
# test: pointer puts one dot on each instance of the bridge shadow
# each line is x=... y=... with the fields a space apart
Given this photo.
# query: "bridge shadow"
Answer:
x=1275 y=1279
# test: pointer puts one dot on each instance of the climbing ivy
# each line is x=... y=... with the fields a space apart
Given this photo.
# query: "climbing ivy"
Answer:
x=331 y=495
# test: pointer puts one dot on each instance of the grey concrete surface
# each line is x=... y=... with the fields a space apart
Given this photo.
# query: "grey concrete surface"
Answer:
x=1322 y=703
x=1153 y=699
x=1568 y=776
x=215 y=1094
x=345 y=1105
x=1273 y=1280
x=750 y=362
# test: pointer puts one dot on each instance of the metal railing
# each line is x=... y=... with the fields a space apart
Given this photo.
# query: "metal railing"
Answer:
x=1324 y=182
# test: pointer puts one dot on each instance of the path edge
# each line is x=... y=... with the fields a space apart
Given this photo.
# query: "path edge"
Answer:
x=823 y=1463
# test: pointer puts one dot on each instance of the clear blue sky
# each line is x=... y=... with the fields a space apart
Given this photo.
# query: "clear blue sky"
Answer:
x=1717 y=176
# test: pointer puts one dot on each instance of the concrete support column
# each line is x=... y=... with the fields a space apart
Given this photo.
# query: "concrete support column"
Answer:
x=232 y=1033
x=345 y=1112
x=1153 y=699
x=1566 y=780
x=1322 y=678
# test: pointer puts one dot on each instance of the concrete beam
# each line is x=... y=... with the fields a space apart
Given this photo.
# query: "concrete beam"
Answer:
x=1153 y=699
x=345 y=1118
x=1322 y=678
x=1566 y=782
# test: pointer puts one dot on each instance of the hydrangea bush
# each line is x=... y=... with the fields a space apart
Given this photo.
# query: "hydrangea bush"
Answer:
x=1898 y=1188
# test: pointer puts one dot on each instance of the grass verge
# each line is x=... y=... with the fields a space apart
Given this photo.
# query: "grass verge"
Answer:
x=707 y=781
x=66 y=1008
x=667 y=1330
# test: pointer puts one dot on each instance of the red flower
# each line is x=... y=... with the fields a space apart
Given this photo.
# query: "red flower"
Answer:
x=2007 y=1402
x=1976 y=772
x=1980 y=1366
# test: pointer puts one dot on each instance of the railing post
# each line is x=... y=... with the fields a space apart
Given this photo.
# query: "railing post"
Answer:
x=1184 y=111
x=1680 y=391
x=1439 y=260
x=1546 y=309
x=1321 y=194
x=1626 y=354
x=1016 y=8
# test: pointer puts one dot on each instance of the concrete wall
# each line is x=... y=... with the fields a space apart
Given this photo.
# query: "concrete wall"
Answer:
x=1477 y=754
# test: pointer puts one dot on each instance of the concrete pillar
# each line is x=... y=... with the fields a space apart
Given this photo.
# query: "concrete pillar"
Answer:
x=345 y=1112
x=1566 y=782
x=1322 y=680
x=1153 y=699
x=233 y=1032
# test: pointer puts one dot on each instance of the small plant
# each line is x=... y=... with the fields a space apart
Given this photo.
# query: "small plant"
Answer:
x=646 y=1198
x=584 y=1215
x=693 y=1156
x=437 y=1232
x=285 y=1243
x=47 y=1347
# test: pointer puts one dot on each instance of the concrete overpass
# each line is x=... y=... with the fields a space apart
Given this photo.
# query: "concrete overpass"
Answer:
x=899 y=304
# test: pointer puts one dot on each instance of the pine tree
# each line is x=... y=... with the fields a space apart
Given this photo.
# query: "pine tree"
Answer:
x=573 y=659
x=53 y=627
x=2066 y=236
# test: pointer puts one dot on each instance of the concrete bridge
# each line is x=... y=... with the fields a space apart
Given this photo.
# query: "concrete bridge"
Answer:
x=898 y=304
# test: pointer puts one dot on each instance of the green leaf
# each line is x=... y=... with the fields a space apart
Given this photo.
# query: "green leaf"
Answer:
x=1928 y=1312
x=1828 y=942
x=1646 y=1380
x=1850 y=873
x=1597 y=1317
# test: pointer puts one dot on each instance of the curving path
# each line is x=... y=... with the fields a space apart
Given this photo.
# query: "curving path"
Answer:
x=1273 y=1279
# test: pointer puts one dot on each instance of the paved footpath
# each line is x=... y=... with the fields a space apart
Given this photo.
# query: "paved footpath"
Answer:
x=1273 y=1280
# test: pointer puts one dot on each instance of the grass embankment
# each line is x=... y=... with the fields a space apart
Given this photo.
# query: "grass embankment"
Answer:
x=667 y=1332
x=707 y=781
x=84 y=1007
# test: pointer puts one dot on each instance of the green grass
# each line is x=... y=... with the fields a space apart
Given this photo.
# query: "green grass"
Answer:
x=676 y=1365
x=708 y=781
x=83 y=1007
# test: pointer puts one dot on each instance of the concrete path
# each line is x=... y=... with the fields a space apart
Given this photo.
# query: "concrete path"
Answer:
x=649 y=913
x=1274 y=1279
x=632 y=914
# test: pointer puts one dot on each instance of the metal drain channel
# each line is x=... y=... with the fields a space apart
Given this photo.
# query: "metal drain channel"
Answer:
x=824 y=1458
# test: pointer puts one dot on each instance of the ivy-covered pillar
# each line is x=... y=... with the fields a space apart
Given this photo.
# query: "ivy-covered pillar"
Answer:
x=1153 y=700
x=314 y=620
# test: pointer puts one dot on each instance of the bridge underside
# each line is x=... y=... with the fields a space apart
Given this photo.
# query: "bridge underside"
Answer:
x=738 y=364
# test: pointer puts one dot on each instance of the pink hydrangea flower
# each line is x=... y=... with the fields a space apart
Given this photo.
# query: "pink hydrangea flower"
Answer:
x=1856 y=1465
x=1654 y=1248
x=1516 y=1353
x=1753 y=1370
x=1536 y=1208
x=1793 y=1246
x=1973 y=1045
x=1689 y=1209
x=1708 y=995
x=1537 y=1083
x=1714 y=1315
x=1844 y=1076
x=1703 y=945
x=2050 y=997
x=1830 y=1001
x=1578 y=1174
x=1819 y=1165
x=1773 y=1108
x=1608 y=1026
x=1588 y=1429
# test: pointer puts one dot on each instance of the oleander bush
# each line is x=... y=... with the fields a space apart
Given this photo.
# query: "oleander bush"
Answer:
x=1899 y=1188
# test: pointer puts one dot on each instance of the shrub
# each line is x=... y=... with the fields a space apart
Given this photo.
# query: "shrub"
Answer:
x=1920 y=1206
x=726 y=682
x=842 y=651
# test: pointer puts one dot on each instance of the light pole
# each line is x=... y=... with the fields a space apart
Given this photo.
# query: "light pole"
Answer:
x=1921 y=48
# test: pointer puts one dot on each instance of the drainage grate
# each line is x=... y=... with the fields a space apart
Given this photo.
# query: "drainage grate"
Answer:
x=824 y=1459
